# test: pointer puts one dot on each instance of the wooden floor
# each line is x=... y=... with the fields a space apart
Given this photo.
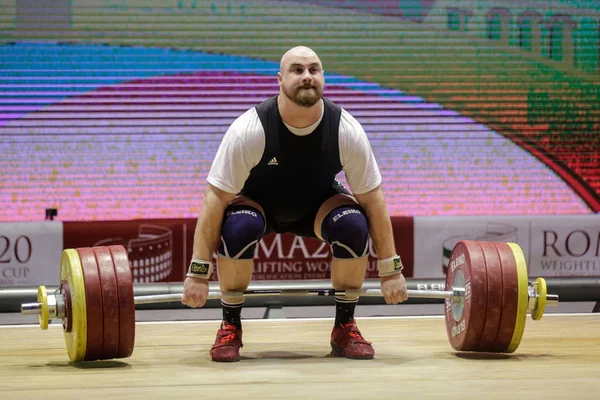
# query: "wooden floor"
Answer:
x=559 y=357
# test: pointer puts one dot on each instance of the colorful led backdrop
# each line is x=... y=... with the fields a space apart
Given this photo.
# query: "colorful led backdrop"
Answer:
x=114 y=109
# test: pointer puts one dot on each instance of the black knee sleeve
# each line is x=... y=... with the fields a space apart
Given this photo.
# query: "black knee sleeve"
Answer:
x=347 y=230
x=243 y=227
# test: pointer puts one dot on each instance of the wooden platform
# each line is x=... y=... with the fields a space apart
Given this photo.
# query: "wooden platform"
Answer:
x=559 y=357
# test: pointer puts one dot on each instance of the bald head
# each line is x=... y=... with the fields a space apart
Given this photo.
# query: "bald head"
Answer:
x=301 y=77
x=301 y=54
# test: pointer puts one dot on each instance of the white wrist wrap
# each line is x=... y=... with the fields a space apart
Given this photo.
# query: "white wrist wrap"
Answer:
x=200 y=268
x=389 y=266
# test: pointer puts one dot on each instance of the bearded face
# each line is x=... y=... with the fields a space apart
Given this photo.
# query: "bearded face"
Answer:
x=302 y=82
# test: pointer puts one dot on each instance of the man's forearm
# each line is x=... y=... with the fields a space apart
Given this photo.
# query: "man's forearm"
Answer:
x=208 y=226
x=381 y=232
x=380 y=225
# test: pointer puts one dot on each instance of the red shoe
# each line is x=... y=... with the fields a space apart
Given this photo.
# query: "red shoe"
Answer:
x=227 y=344
x=347 y=341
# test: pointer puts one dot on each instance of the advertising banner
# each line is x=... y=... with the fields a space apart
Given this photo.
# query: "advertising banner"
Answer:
x=160 y=250
x=566 y=245
x=30 y=253
x=157 y=249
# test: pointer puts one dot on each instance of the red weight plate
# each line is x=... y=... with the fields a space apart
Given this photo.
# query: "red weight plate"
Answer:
x=93 y=304
x=67 y=322
x=126 y=302
x=510 y=292
x=464 y=328
x=110 y=302
x=494 y=296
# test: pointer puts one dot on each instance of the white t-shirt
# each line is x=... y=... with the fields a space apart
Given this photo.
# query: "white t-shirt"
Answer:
x=243 y=146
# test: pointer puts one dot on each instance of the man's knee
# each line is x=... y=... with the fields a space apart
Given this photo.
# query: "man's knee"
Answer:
x=243 y=227
x=346 y=228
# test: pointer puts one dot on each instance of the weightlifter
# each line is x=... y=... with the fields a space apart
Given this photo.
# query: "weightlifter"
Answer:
x=275 y=171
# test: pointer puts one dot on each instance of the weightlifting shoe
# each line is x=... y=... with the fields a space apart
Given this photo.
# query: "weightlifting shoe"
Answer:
x=347 y=341
x=227 y=344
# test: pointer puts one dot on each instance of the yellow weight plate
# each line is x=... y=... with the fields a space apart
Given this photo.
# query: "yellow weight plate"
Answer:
x=42 y=298
x=71 y=272
x=523 y=297
x=542 y=290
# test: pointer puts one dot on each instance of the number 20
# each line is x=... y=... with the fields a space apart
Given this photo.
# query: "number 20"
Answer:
x=5 y=247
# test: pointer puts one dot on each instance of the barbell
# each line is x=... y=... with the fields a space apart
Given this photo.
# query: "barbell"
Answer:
x=485 y=308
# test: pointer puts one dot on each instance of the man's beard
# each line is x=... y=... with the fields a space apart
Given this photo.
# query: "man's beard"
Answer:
x=303 y=97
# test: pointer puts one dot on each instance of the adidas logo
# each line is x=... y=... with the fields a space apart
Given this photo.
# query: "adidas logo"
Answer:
x=273 y=161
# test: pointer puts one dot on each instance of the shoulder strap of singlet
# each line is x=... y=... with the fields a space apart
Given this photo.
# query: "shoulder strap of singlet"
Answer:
x=267 y=113
x=331 y=133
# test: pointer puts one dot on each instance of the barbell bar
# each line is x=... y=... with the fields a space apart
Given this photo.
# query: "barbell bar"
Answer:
x=56 y=306
x=53 y=305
